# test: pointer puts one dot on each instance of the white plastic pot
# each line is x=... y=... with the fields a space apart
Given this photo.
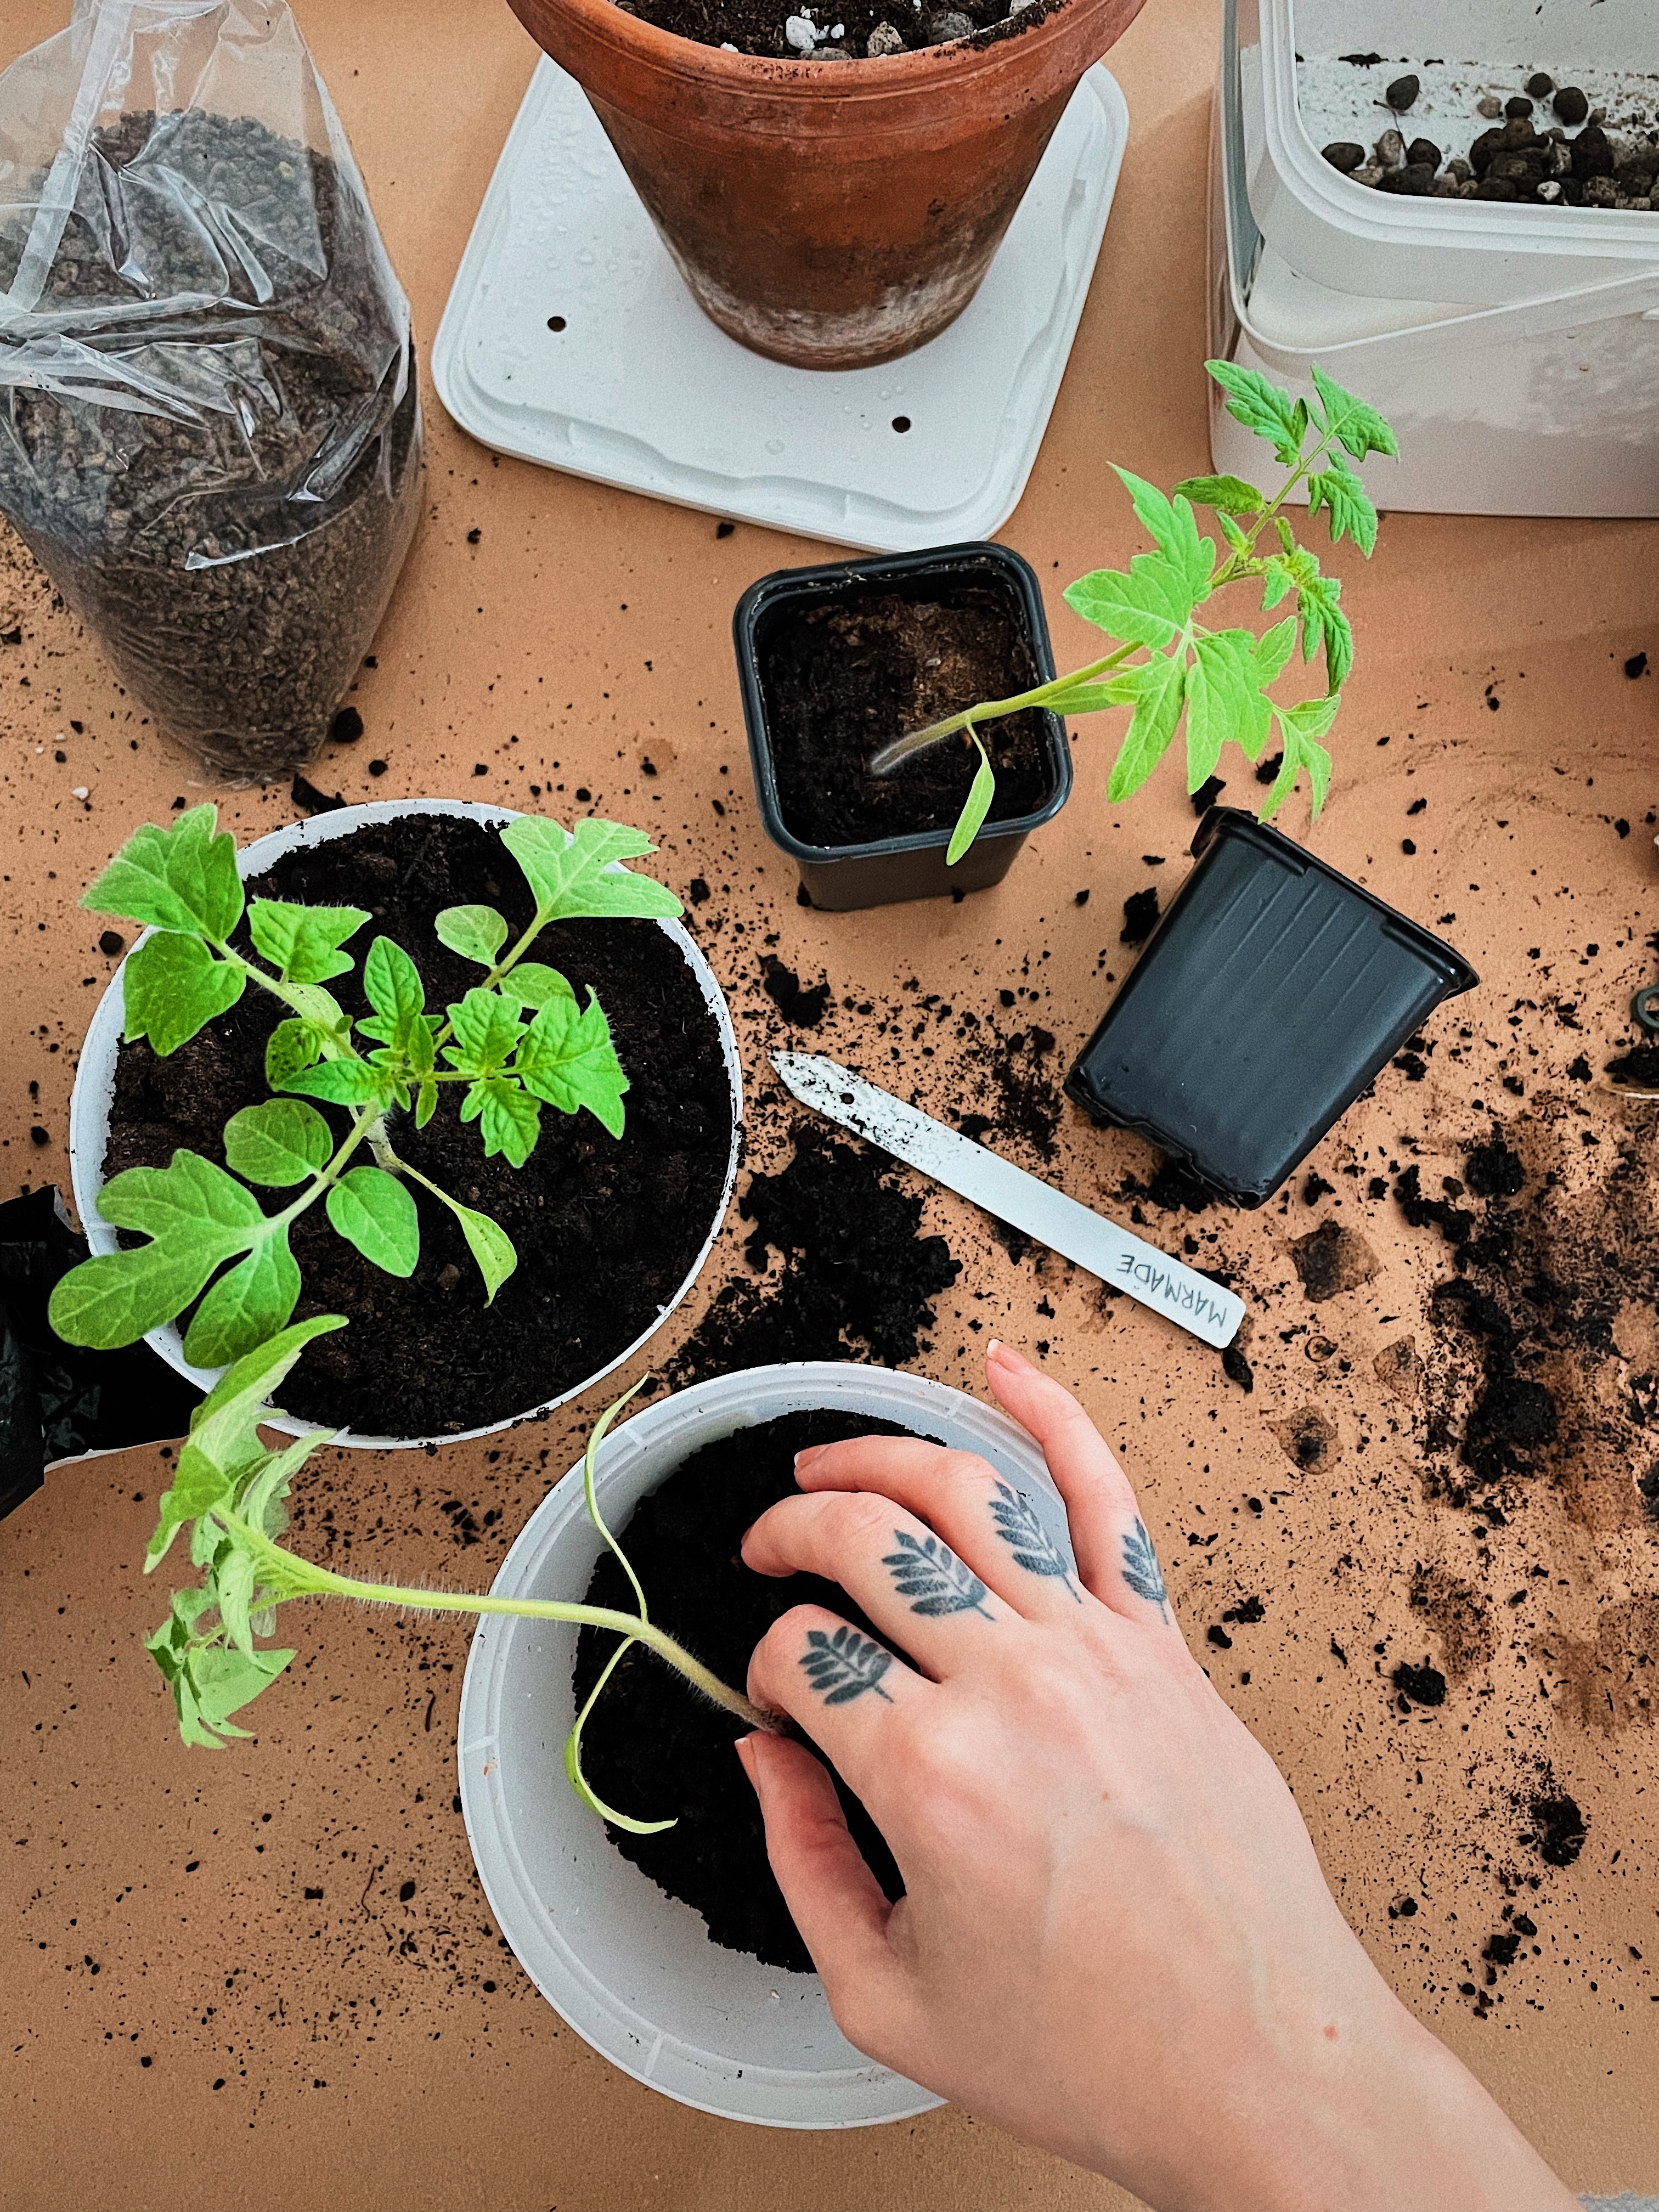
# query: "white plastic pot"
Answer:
x=631 y=1970
x=95 y=1084
x=1505 y=401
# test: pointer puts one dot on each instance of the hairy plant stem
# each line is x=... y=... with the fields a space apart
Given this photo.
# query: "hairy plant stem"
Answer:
x=286 y=1575
x=1055 y=694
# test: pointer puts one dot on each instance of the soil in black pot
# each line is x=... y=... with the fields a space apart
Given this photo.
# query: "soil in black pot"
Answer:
x=653 y=1747
x=605 y=1230
x=842 y=679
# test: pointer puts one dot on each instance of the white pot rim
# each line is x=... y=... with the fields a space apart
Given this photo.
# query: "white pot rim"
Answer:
x=94 y=1079
x=634 y=1972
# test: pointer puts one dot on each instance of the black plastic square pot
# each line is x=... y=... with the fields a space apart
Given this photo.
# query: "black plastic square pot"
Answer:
x=1270 y=994
x=885 y=869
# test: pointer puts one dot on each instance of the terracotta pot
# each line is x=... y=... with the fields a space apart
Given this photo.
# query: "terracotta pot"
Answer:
x=830 y=214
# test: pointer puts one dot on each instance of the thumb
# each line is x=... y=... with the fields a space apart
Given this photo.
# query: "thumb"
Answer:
x=836 y=1901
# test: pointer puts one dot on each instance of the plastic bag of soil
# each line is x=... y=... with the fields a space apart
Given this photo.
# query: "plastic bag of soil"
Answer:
x=58 y=1401
x=209 y=427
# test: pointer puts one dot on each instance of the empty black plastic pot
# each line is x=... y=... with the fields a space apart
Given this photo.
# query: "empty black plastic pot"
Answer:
x=886 y=869
x=1269 y=996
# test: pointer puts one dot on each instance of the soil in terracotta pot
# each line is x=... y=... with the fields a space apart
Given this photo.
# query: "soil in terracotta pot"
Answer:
x=605 y=1230
x=842 y=679
x=839 y=33
x=653 y=1747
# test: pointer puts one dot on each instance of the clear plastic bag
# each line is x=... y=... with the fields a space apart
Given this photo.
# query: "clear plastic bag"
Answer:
x=210 y=426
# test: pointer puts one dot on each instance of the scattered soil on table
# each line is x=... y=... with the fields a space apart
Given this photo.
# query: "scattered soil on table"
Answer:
x=855 y=1274
x=655 y=1749
x=1333 y=1259
x=1310 y=1439
x=1460 y=1615
x=605 y=1230
x=842 y=678
x=1637 y=1070
x=865 y=29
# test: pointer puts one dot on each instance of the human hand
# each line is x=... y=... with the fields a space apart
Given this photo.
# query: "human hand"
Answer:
x=1115 y=1941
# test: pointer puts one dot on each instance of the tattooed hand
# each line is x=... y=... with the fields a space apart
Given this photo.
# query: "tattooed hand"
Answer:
x=1115 y=1941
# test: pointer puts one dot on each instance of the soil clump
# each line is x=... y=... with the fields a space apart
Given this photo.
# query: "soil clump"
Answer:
x=865 y=30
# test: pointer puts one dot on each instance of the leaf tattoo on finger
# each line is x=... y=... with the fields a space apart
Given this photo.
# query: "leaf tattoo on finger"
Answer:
x=843 y=1666
x=931 y=1577
x=1141 y=1570
x=1020 y=1526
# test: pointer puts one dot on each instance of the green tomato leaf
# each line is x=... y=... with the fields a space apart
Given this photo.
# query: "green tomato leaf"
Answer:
x=1160 y=692
x=976 y=807
x=304 y=941
x=392 y=986
x=1263 y=408
x=1226 y=495
x=292 y=1045
x=199 y=1486
x=508 y=1117
x=1324 y=623
x=246 y=1305
x=182 y=877
x=567 y=1058
x=1273 y=651
x=490 y=1245
x=1359 y=428
x=233 y=1586
x=342 y=1083
x=188 y=1197
x=476 y=932
x=1175 y=530
x=532 y=984
x=172 y=987
x=572 y=874
x=1338 y=490
x=197 y=1217
x=1150 y=605
x=486 y=1030
x=224 y=1682
x=1225 y=703
x=426 y=1102
x=278 y=1143
x=374 y=1211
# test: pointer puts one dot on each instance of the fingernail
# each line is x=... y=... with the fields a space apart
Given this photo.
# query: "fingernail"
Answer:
x=744 y=1748
x=998 y=1350
x=807 y=1459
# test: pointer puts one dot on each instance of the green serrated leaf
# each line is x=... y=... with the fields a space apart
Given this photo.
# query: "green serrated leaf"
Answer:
x=246 y=1305
x=1149 y=605
x=1324 y=625
x=571 y=874
x=374 y=1211
x=975 y=808
x=532 y=984
x=172 y=987
x=278 y=1142
x=233 y=1586
x=1174 y=529
x=1228 y=496
x=1162 y=689
x=1234 y=536
x=197 y=1217
x=225 y=1681
x=1273 y=651
x=303 y=942
x=426 y=1101
x=509 y=1118
x=392 y=986
x=1262 y=407
x=182 y=877
x=1338 y=490
x=342 y=1083
x=476 y=932
x=568 y=1058
x=262 y=1502
x=1309 y=719
x=1360 y=429
x=1223 y=701
x=486 y=1030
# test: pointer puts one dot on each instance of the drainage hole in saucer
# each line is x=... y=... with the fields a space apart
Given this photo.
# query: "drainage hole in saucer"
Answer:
x=555 y=322
x=901 y=423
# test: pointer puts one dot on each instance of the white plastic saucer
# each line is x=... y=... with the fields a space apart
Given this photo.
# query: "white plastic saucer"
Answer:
x=639 y=388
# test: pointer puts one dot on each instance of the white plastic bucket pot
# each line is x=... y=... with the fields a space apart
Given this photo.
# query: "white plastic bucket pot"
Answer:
x=94 y=1085
x=1465 y=252
x=1548 y=404
x=631 y=1970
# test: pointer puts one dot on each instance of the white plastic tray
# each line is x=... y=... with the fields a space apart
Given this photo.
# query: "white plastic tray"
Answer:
x=639 y=388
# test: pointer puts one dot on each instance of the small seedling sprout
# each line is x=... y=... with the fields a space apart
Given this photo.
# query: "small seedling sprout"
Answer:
x=230 y=1490
x=518 y=1040
x=1223 y=678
